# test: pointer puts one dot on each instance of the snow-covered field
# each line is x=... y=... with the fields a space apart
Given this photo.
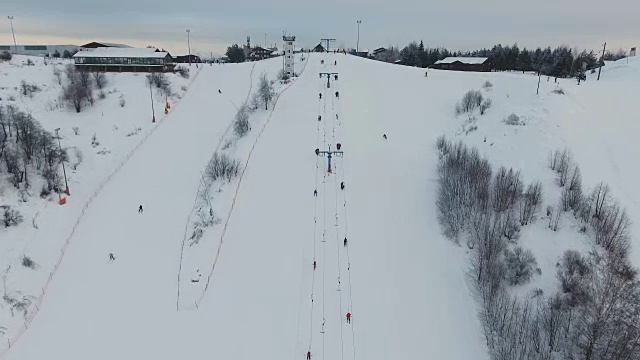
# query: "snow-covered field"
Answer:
x=404 y=283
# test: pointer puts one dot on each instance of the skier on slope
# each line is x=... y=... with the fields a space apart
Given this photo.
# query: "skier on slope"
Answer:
x=348 y=318
x=337 y=94
x=384 y=136
x=111 y=257
x=320 y=95
x=308 y=355
x=140 y=209
x=345 y=242
x=314 y=264
x=319 y=117
x=342 y=185
x=315 y=192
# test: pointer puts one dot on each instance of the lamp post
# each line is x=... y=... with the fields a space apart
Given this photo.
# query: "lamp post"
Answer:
x=15 y=47
x=189 y=44
x=153 y=112
x=358 y=41
x=64 y=171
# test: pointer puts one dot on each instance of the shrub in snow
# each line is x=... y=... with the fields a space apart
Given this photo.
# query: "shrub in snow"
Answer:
x=184 y=88
x=573 y=272
x=30 y=62
x=161 y=82
x=27 y=89
x=265 y=91
x=282 y=75
x=100 y=79
x=513 y=119
x=77 y=96
x=520 y=265
x=470 y=101
x=79 y=157
x=487 y=85
x=10 y=216
x=5 y=56
x=241 y=122
x=530 y=202
x=28 y=263
x=222 y=167
x=45 y=192
x=486 y=104
x=182 y=71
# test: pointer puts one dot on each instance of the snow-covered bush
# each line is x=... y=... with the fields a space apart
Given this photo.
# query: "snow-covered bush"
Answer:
x=100 y=79
x=161 y=82
x=558 y=91
x=182 y=71
x=222 y=167
x=265 y=91
x=487 y=85
x=122 y=101
x=486 y=104
x=513 y=119
x=76 y=130
x=28 y=263
x=10 y=217
x=520 y=265
x=5 y=56
x=470 y=101
x=241 y=122
x=28 y=89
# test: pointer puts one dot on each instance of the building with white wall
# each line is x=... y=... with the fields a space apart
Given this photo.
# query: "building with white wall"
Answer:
x=38 y=50
x=289 y=50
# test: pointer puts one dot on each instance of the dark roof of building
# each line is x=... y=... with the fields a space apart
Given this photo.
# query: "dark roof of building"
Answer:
x=105 y=44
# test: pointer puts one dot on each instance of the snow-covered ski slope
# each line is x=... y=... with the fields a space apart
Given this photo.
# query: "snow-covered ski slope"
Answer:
x=402 y=281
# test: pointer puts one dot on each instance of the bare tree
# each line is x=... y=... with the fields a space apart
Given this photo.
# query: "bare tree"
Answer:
x=266 y=91
x=100 y=79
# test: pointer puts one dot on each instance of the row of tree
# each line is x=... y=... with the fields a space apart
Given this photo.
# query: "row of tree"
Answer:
x=560 y=62
x=26 y=148
x=596 y=310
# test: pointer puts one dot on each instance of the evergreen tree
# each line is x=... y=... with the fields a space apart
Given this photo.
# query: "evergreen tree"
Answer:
x=235 y=54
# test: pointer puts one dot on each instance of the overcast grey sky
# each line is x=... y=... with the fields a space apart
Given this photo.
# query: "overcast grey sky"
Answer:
x=457 y=24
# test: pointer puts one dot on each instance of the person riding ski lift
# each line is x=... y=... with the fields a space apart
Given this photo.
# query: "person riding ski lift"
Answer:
x=384 y=136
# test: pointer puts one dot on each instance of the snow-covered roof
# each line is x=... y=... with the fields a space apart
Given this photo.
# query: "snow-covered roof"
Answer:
x=464 y=60
x=121 y=52
x=107 y=44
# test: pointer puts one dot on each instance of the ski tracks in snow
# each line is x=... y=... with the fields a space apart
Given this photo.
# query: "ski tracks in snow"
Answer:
x=238 y=187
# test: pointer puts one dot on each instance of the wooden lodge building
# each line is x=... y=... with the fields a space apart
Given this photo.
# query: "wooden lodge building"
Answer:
x=481 y=64
x=113 y=59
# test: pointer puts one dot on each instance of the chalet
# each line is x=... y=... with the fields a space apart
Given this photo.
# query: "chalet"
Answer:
x=319 y=48
x=379 y=51
x=123 y=60
x=481 y=64
x=259 y=53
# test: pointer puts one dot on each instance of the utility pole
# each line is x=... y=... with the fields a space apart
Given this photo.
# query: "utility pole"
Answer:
x=64 y=171
x=538 y=90
x=602 y=60
x=15 y=47
x=189 y=44
x=153 y=120
x=358 y=42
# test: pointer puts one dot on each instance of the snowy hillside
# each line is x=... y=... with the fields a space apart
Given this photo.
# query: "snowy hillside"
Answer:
x=278 y=268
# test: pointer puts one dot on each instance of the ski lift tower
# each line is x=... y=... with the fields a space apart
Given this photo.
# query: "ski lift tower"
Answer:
x=329 y=155
x=329 y=75
x=289 y=54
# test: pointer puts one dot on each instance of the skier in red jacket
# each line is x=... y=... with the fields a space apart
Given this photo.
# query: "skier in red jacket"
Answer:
x=348 y=318
x=308 y=355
